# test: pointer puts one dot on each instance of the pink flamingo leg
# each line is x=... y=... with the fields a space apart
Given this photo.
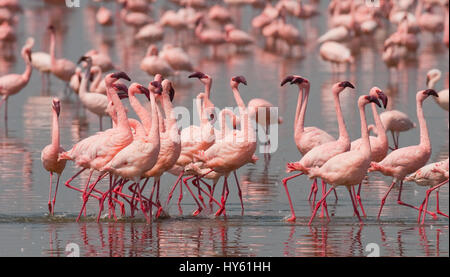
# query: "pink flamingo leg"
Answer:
x=313 y=190
x=67 y=183
x=173 y=188
x=358 y=197
x=429 y=191
x=400 y=202
x=199 y=209
x=318 y=205
x=438 y=211
x=50 y=195
x=85 y=199
x=383 y=200
x=355 y=208
x=212 y=199
x=239 y=192
x=200 y=197
x=56 y=191
x=324 y=204
x=292 y=218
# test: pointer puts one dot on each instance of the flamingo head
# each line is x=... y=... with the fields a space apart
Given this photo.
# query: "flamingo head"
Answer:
x=341 y=86
x=56 y=105
x=137 y=88
x=371 y=99
x=121 y=89
x=376 y=92
x=433 y=75
x=294 y=79
x=235 y=81
x=51 y=28
x=204 y=78
x=155 y=87
x=168 y=88
x=346 y=84
x=113 y=77
x=429 y=92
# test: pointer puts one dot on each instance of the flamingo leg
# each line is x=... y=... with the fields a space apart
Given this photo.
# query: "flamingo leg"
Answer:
x=319 y=204
x=358 y=197
x=292 y=218
x=429 y=191
x=85 y=199
x=147 y=216
x=239 y=192
x=173 y=188
x=67 y=183
x=355 y=209
x=312 y=189
x=383 y=200
x=50 y=195
x=56 y=191
x=324 y=203
x=438 y=211
x=211 y=198
x=400 y=202
x=199 y=209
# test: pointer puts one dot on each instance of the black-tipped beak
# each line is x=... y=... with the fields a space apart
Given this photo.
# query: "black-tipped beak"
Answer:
x=346 y=84
x=122 y=95
x=171 y=93
x=298 y=80
x=383 y=98
x=121 y=75
x=157 y=86
x=239 y=79
x=144 y=91
x=428 y=80
x=57 y=107
x=84 y=59
x=374 y=100
x=51 y=28
x=431 y=92
x=29 y=56
x=120 y=87
x=197 y=74
x=286 y=80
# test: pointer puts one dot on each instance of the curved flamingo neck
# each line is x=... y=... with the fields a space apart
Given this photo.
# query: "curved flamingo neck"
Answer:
x=153 y=134
x=168 y=110
x=301 y=120
x=424 y=138
x=364 y=131
x=381 y=132
x=97 y=80
x=55 y=130
x=28 y=70
x=343 y=134
x=141 y=112
x=122 y=119
x=200 y=108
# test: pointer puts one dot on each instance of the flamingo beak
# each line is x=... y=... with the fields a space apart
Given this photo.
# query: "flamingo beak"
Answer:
x=374 y=100
x=121 y=75
x=122 y=95
x=286 y=80
x=29 y=55
x=346 y=84
x=431 y=92
x=120 y=87
x=197 y=74
x=383 y=98
x=239 y=79
x=144 y=91
x=56 y=106
x=171 y=93
x=428 y=80
x=157 y=86
x=84 y=59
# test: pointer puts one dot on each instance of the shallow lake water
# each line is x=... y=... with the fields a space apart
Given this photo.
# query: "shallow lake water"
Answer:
x=27 y=230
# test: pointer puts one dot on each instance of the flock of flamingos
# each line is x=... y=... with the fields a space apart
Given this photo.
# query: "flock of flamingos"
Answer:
x=134 y=150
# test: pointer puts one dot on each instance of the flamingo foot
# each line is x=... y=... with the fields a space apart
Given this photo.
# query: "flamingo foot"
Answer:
x=291 y=219
x=197 y=212
x=50 y=210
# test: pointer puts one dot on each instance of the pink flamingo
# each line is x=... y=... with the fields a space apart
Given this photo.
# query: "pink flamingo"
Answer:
x=97 y=150
x=170 y=141
x=407 y=160
x=154 y=64
x=348 y=168
x=319 y=155
x=177 y=58
x=396 y=121
x=378 y=145
x=104 y=17
x=152 y=32
x=433 y=175
x=140 y=155
x=235 y=150
x=13 y=83
x=336 y=53
x=61 y=68
x=49 y=155
x=75 y=80
x=237 y=37
x=100 y=59
x=212 y=37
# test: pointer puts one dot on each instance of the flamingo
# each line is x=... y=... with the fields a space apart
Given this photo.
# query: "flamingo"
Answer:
x=212 y=37
x=154 y=64
x=42 y=62
x=237 y=37
x=348 y=168
x=378 y=145
x=100 y=59
x=95 y=102
x=152 y=32
x=317 y=156
x=433 y=77
x=256 y=106
x=141 y=154
x=235 y=150
x=396 y=121
x=220 y=14
x=407 y=160
x=13 y=83
x=75 y=80
x=61 y=68
x=336 y=53
x=49 y=155
x=433 y=175
x=104 y=17
x=428 y=21
x=97 y=150
x=177 y=58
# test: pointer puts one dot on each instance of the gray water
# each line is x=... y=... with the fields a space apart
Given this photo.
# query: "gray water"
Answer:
x=27 y=230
